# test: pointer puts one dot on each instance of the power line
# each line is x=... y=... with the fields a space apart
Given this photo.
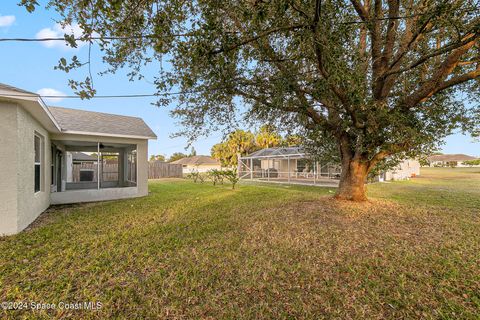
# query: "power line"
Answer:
x=92 y=38
x=140 y=95
x=100 y=96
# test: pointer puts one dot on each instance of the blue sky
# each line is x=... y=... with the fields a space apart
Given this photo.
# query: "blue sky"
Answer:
x=30 y=66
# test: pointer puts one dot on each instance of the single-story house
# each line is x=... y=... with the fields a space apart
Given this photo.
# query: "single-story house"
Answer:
x=450 y=160
x=293 y=165
x=198 y=164
x=39 y=144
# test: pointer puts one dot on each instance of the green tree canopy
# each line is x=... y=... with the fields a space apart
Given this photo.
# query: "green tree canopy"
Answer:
x=245 y=142
x=238 y=142
x=267 y=137
x=176 y=156
x=158 y=157
x=372 y=80
x=193 y=152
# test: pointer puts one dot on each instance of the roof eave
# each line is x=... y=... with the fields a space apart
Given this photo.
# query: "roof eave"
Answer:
x=102 y=134
x=31 y=104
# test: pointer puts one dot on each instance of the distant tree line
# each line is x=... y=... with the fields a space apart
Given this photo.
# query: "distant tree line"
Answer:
x=174 y=157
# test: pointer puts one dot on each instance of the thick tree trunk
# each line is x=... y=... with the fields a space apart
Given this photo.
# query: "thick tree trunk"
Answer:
x=352 y=181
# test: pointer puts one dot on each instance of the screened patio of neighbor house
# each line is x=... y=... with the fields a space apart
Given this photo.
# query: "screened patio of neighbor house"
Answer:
x=287 y=165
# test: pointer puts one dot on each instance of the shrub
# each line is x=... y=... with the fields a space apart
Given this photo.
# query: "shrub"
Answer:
x=216 y=176
x=196 y=176
x=232 y=176
x=472 y=162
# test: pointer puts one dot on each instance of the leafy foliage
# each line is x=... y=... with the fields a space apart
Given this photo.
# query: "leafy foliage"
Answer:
x=216 y=176
x=196 y=176
x=238 y=142
x=232 y=176
x=158 y=157
x=370 y=80
x=472 y=162
x=245 y=142
x=176 y=156
x=268 y=137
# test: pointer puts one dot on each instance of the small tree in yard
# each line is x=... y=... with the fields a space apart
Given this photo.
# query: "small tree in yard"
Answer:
x=369 y=81
x=216 y=176
x=196 y=176
x=232 y=176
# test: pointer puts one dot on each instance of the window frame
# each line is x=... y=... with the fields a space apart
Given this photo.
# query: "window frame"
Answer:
x=40 y=163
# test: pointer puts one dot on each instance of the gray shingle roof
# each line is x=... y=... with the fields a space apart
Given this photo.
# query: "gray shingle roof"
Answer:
x=98 y=123
x=80 y=156
x=7 y=87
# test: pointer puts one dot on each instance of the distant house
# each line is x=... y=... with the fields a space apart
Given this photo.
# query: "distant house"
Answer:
x=81 y=167
x=198 y=164
x=449 y=160
x=42 y=146
x=81 y=157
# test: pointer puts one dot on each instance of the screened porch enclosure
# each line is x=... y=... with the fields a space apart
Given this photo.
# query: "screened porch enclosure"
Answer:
x=93 y=165
x=287 y=165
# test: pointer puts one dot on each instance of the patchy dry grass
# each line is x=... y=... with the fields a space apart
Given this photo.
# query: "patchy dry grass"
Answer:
x=260 y=252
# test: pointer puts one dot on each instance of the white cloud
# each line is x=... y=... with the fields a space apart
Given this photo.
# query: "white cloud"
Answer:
x=57 y=31
x=6 y=21
x=50 y=92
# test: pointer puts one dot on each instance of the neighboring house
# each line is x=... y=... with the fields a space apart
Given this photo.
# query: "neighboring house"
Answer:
x=198 y=164
x=82 y=158
x=450 y=160
x=407 y=169
x=39 y=143
x=292 y=164
x=81 y=166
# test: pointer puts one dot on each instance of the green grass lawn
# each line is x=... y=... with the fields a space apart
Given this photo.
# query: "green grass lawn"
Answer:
x=191 y=251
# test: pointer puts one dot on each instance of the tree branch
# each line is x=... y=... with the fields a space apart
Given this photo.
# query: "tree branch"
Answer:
x=376 y=49
x=259 y=36
x=434 y=54
x=436 y=82
x=362 y=12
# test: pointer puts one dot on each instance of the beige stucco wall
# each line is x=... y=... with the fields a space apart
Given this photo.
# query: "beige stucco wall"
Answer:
x=91 y=195
x=8 y=168
x=30 y=204
x=405 y=170
x=201 y=168
x=19 y=204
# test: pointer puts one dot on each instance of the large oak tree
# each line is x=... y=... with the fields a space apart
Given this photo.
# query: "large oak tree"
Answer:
x=376 y=79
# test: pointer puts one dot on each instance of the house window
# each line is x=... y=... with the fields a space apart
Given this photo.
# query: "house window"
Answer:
x=38 y=147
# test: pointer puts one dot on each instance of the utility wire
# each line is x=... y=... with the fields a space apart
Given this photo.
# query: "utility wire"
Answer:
x=106 y=96
x=96 y=96
x=141 y=95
